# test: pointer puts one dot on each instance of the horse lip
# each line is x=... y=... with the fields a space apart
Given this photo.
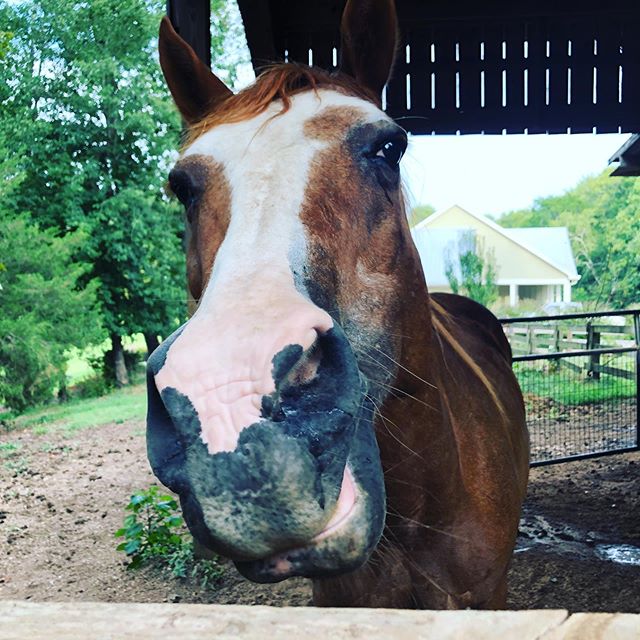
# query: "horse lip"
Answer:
x=285 y=564
x=345 y=506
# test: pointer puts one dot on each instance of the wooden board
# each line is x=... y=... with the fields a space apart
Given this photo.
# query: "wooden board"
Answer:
x=82 y=620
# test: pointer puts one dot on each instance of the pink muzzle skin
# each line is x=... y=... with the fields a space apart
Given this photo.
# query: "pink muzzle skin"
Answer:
x=223 y=361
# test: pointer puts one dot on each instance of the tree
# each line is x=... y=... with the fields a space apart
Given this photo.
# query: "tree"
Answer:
x=228 y=43
x=420 y=213
x=602 y=215
x=87 y=112
x=45 y=307
x=472 y=272
x=44 y=310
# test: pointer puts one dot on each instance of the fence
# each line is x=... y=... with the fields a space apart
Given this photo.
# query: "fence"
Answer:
x=579 y=374
x=25 y=620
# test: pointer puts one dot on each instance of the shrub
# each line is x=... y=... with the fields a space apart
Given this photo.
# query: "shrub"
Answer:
x=44 y=310
x=154 y=531
x=94 y=386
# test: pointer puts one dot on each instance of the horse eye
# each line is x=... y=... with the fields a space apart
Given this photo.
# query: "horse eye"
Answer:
x=183 y=187
x=392 y=151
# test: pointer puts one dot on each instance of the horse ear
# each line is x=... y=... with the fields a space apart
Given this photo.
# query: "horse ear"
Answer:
x=369 y=33
x=194 y=88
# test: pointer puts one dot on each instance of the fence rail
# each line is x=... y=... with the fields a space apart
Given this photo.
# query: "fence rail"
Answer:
x=580 y=376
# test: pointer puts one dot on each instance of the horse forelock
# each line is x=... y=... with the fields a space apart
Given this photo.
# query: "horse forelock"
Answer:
x=279 y=82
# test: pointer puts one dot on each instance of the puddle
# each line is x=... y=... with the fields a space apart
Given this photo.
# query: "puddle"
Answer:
x=538 y=533
x=620 y=553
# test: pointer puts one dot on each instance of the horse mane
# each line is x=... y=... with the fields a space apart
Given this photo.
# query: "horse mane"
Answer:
x=278 y=82
x=439 y=317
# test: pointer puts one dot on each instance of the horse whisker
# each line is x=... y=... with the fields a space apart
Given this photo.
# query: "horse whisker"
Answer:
x=384 y=421
x=405 y=557
x=415 y=375
x=403 y=392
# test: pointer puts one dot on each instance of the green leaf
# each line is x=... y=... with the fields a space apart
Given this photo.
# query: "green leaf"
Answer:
x=175 y=521
x=132 y=546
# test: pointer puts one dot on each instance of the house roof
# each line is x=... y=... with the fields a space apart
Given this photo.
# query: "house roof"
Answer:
x=435 y=247
x=550 y=244
x=549 y=241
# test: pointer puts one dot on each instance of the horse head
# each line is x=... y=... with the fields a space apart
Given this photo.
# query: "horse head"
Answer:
x=261 y=406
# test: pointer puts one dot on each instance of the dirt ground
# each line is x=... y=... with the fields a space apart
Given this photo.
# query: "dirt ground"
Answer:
x=62 y=496
x=561 y=430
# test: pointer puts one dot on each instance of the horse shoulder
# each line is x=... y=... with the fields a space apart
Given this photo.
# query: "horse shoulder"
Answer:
x=474 y=321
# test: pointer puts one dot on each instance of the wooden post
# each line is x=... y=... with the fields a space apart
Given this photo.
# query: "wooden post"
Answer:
x=554 y=365
x=593 y=342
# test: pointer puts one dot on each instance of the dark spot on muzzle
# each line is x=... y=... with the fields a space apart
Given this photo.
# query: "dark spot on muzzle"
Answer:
x=282 y=481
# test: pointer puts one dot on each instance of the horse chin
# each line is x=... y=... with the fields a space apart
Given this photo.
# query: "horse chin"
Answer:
x=342 y=546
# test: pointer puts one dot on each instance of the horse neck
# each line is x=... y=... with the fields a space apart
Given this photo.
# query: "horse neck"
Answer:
x=417 y=442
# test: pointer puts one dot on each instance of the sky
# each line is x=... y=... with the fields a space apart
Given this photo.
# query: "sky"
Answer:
x=496 y=174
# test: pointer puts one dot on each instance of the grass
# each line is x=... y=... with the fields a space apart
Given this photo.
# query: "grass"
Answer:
x=9 y=449
x=83 y=413
x=570 y=388
x=121 y=405
x=17 y=466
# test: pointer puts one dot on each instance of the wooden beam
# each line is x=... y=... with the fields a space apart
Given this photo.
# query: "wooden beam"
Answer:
x=192 y=20
x=256 y=16
x=628 y=157
x=129 y=621
x=126 y=621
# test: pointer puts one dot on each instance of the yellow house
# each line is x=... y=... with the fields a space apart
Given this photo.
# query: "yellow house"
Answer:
x=532 y=264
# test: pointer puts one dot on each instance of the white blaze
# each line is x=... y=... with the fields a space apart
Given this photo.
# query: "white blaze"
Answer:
x=250 y=309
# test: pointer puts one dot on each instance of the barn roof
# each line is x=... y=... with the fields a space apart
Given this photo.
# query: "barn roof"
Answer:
x=465 y=66
x=492 y=66
x=628 y=158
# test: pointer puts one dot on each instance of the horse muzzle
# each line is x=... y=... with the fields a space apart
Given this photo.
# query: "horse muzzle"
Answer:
x=301 y=493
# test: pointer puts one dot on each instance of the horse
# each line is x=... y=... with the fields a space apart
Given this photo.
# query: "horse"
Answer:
x=321 y=414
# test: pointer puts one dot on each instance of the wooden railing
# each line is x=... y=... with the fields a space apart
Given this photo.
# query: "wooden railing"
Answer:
x=83 y=620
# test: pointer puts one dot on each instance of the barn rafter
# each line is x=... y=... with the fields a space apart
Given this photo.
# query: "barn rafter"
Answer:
x=469 y=67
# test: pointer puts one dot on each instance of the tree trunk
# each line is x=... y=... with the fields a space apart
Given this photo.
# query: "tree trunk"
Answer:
x=152 y=342
x=119 y=366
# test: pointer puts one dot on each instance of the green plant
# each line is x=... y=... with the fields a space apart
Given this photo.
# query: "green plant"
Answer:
x=94 y=386
x=154 y=531
x=17 y=466
x=569 y=388
x=9 y=449
x=473 y=271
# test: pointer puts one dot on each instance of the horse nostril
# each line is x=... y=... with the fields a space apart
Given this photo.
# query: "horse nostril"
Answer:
x=271 y=408
x=305 y=368
x=293 y=371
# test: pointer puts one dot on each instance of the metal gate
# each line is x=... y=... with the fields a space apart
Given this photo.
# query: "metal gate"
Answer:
x=579 y=374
